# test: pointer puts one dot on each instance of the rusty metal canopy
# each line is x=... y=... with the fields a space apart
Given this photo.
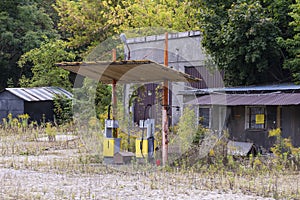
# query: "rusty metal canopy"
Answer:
x=248 y=99
x=142 y=71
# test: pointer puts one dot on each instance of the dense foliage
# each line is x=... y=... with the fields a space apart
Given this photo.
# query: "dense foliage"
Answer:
x=253 y=42
x=44 y=71
x=292 y=44
x=242 y=38
x=63 y=110
x=24 y=24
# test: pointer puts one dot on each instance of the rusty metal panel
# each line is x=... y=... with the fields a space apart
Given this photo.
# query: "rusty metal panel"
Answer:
x=209 y=79
x=132 y=71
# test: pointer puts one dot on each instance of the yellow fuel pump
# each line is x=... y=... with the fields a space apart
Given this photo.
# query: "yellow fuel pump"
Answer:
x=111 y=144
x=145 y=147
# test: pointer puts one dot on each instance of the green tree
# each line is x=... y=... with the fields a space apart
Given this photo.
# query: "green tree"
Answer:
x=168 y=14
x=292 y=44
x=241 y=37
x=63 y=109
x=88 y=22
x=187 y=128
x=43 y=59
x=85 y=22
x=23 y=26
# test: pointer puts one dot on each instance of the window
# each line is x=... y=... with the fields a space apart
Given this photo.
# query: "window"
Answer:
x=204 y=116
x=255 y=117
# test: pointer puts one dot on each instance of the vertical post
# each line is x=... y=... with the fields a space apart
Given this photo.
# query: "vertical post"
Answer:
x=278 y=120
x=114 y=55
x=114 y=93
x=165 y=125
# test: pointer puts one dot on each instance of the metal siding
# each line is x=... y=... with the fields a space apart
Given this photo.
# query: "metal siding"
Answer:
x=236 y=123
x=290 y=124
x=208 y=78
x=10 y=103
x=258 y=137
x=15 y=105
x=3 y=104
x=36 y=110
x=139 y=108
x=271 y=117
x=296 y=138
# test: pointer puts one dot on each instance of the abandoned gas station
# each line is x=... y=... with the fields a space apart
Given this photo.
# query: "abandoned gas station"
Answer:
x=132 y=71
x=248 y=113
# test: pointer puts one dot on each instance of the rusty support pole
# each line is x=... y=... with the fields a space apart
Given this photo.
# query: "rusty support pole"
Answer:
x=114 y=93
x=165 y=125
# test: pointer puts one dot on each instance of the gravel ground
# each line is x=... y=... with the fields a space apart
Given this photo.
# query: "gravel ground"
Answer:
x=27 y=184
x=42 y=170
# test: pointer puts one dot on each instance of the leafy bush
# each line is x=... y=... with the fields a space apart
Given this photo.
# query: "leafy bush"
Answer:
x=63 y=109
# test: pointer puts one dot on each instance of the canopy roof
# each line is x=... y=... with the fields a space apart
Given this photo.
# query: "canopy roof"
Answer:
x=248 y=99
x=140 y=71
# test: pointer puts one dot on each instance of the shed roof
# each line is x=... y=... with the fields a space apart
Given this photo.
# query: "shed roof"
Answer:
x=253 y=88
x=248 y=99
x=38 y=93
x=239 y=148
x=132 y=71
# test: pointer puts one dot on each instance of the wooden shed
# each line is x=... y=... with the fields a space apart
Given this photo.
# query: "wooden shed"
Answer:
x=36 y=102
x=250 y=112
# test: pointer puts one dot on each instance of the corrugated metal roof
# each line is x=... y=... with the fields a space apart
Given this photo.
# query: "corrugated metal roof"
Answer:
x=248 y=99
x=38 y=93
x=132 y=71
x=259 y=88
x=239 y=148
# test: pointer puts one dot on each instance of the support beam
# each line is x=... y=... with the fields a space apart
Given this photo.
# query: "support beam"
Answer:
x=114 y=94
x=165 y=125
x=278 y=117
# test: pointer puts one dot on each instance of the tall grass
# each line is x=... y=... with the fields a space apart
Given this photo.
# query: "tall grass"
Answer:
x=22 y=147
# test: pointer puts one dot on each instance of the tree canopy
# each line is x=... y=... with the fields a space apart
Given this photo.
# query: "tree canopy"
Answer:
x=292 y=44
x=252 y=41
x=242 y=39
x=24 y=24
x=45 y=73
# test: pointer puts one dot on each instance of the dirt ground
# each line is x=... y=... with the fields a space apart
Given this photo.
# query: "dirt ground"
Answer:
x=28 y=184
x=60 y=170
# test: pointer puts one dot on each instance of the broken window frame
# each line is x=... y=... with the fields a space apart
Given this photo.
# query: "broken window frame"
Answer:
x=206 y=123
x=251 y=112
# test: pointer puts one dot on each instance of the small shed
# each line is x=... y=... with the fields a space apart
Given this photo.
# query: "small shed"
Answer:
x=121 y=158
x=235 y=148
x=250 y=112
x=36 y=102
